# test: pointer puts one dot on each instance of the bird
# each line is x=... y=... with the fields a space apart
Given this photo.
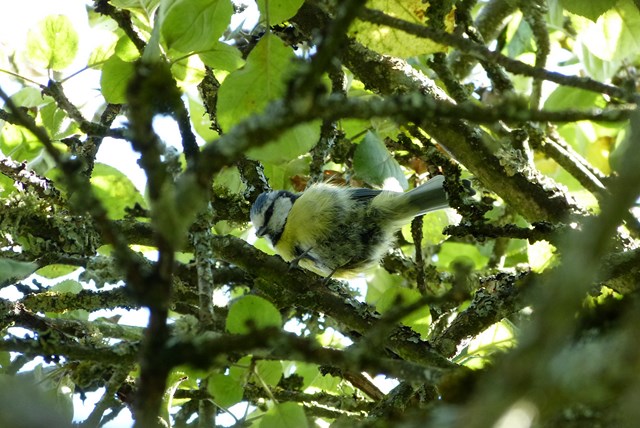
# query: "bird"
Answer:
x=340 y=231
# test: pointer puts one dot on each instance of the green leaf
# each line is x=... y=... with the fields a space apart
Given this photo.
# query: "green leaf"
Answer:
x=146 y=5
x=521 y=41
x=64 y=396
x=14 y=270
x=284 y=415
x=225 y=390
x=54 y=43
x=596 y=67
x=252 y=312
x=397 y=296
x=126 y=50
x=195 y=25
x=114 y=79
x=565 y=97
x=588 y=8
x=540 y=255
x=289 y=146
x=175 y=379
x=115 y=190
x=5 y=359
x=393 y=41
x=615 y=35
x=67 y=286
x=19 y=143
x=373 y=163
x=280 y=175
x=278 y=10
x=30 y=97
x=433 y=224
x=262 y=79
x=379 y=283
x=53 y=119
x=222 y=57
x=200 y=119
x=249 y=90
x=455 y=251
x=56 y=270
x=269 y=371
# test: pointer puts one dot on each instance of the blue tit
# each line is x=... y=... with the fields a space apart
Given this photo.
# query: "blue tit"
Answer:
x=340 y=231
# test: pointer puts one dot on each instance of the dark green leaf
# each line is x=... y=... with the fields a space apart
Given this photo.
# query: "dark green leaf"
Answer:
x=13 y=270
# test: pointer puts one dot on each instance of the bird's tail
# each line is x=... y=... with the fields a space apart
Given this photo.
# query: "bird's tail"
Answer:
x=429 y=196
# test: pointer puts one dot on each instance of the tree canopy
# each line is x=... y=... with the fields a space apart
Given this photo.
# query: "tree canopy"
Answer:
x=516 y=308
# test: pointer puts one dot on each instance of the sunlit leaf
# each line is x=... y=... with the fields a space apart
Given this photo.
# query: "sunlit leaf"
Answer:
x=291 y=144
x=616 y=34
x=56 y=121
x=54 y=43
x=252 y=312
x=396 y=42
x=147 y=5
x=115 y=190
x=56 y=270
x=540 y=255
x=379 y=283
x=565 y=97
x=31 y=97
x=588 y=8
x=521 y=37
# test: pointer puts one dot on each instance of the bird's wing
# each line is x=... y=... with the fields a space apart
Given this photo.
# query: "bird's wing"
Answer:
x=362 y=194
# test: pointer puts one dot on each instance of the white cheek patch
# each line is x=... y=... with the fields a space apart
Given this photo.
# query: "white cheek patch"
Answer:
x=258 y=220
x=281 y=208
